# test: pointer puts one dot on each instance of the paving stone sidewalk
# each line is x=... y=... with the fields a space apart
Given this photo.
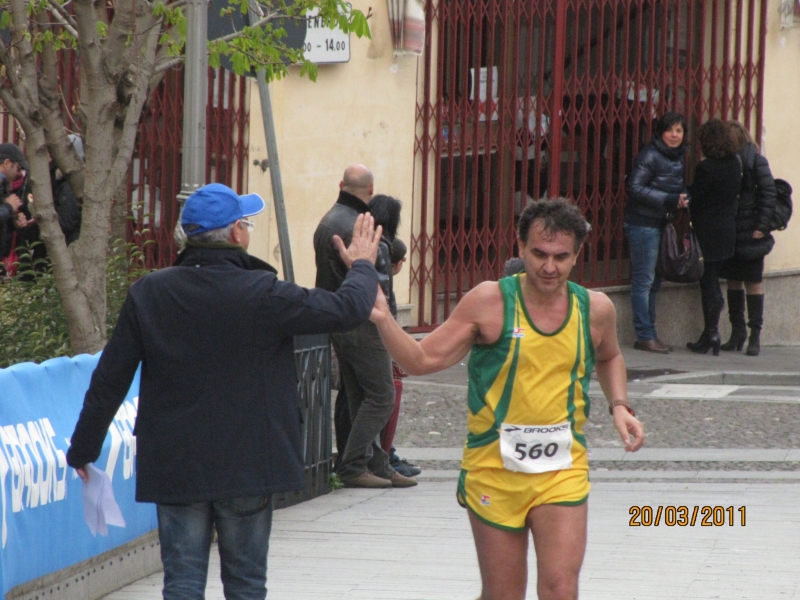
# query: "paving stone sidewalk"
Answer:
x=720 y=449
x=415 y=544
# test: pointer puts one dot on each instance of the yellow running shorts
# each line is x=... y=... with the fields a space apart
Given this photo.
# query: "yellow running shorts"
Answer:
x=503 y=498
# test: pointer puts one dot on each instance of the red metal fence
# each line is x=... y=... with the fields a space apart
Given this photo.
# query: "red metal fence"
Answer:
x=555 y=98
x=154 y=180
x=155 y=176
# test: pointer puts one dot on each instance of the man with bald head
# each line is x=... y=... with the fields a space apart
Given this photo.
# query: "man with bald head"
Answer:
x=364 y=363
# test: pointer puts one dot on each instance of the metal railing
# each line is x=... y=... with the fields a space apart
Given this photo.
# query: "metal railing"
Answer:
x=313 y=359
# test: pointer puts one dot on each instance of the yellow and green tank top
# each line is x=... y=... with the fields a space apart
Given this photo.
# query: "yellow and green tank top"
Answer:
x=528 y=377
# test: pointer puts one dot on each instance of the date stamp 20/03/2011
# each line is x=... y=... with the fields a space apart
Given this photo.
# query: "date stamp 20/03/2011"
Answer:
x=682 y=516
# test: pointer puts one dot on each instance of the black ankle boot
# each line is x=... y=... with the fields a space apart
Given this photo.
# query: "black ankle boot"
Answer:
x=755 y=319
x=738 y=325
x=702 y=342
x=709 y=340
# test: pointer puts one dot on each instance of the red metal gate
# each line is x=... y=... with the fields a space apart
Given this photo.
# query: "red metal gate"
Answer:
x=554 y=98
x=154 y=179
x=155 y=176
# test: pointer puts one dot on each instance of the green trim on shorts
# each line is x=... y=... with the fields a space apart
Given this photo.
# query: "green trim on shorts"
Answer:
x=496 y=525
x=461 y=489
x=572 y=503
x=461 y=497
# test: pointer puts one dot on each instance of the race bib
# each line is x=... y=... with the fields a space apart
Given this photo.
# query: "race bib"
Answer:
x=536 y=448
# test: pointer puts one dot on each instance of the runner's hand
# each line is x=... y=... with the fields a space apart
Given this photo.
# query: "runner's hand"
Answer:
x=630 y=429
x=380 y=311
x=364 y=243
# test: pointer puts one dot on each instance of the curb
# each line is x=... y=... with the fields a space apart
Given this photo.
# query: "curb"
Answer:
x=748 y=378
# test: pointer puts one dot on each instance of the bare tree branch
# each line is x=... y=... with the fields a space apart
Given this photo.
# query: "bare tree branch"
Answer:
x=166 y=66
x=58 y=145
x=121 y=39
x=89 y=41
x=142 y=73
x=14 y=107
x=10 y=65
x=64 y=18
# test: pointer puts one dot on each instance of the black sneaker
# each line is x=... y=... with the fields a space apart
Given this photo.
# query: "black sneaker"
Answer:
x=402 y=466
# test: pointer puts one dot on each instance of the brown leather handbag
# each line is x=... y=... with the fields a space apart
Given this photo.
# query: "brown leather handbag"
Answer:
x=679 y=256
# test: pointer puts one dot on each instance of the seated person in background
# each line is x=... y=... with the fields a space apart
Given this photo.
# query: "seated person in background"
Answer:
x=28 y=232
x=12 y=161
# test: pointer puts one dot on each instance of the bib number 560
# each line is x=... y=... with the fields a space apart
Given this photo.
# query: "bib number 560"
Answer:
x=535 y=451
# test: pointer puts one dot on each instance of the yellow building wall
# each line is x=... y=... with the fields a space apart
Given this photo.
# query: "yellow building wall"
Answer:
x=356 y=112
x=780 y=139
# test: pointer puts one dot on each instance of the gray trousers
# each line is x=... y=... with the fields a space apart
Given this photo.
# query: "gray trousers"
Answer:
x=366 y=371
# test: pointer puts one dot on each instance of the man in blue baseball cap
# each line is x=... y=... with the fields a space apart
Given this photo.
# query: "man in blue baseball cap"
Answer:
x=214 y=206
x=218 y=429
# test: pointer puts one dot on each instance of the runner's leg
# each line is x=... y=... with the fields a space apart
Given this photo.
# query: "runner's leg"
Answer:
x=559 y=537
x=503 y=560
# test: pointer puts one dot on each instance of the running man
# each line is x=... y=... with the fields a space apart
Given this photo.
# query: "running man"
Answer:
x=534 y=339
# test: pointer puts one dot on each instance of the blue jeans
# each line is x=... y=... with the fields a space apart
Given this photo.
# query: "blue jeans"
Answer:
x=644 y=243
x=243 y=527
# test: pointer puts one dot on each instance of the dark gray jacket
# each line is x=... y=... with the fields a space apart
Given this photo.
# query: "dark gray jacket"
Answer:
x=6 y=220
x=219 y=413
x=655 y=184
x=339 y=220
x=757 y=200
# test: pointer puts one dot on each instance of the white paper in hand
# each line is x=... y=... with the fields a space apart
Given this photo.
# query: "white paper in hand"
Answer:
x=100 y=509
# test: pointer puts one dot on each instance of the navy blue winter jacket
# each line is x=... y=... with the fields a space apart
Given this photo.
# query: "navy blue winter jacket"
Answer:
x=655 y=184
x=218 y=414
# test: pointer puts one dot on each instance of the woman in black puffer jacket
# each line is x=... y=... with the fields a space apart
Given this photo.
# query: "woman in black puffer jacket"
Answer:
x=745 y=270
x=655 y=187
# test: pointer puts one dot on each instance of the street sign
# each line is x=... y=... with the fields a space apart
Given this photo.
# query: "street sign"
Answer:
x=320 y=44
x=323 y=44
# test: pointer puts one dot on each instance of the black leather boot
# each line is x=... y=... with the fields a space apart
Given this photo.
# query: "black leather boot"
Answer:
x=755 y=319
x=738 y=325
x=709 y=339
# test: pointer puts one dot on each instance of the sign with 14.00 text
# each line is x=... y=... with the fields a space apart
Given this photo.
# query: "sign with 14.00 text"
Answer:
x=324 y=44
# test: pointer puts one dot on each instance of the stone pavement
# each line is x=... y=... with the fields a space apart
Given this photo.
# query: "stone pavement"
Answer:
x=723 y=436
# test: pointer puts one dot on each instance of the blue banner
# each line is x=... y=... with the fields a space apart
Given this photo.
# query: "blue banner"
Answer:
x=42 y=526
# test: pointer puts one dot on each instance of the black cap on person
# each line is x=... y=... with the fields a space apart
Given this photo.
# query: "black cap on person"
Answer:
x=14 y=154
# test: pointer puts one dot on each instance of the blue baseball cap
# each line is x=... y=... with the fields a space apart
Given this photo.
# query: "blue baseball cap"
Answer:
x=215 y=206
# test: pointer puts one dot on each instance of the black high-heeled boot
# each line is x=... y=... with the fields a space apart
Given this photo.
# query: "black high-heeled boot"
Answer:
x=701 y=345
x=755 y=319
x=738 y=324
x=709 y=339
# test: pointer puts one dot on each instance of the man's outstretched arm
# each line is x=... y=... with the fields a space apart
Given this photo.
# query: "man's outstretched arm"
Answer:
x=611 y=373
x=445 y=346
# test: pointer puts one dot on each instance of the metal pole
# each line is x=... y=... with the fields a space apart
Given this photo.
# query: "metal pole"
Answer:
x=195 y=93
x=274 y=168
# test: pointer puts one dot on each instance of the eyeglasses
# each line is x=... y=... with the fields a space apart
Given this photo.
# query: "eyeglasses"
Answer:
x=248 y=224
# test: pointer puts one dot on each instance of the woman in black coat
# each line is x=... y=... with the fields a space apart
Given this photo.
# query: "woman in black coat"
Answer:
x=714 y=195
x=745 y=269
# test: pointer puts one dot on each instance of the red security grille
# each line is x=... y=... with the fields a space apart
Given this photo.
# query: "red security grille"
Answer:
x=155 y=178
x=555 y=98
